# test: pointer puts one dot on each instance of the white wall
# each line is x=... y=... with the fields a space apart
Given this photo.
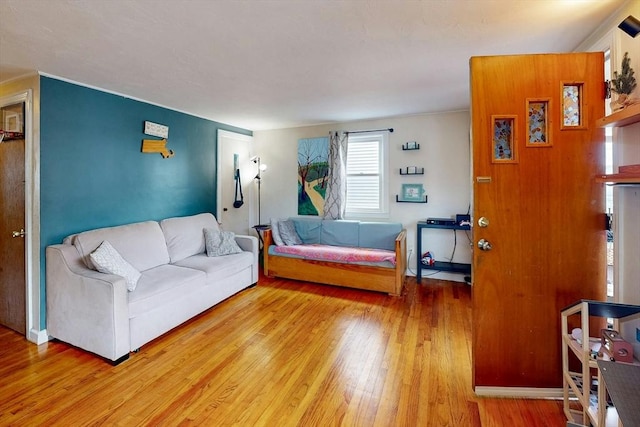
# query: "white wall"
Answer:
x=444 y=153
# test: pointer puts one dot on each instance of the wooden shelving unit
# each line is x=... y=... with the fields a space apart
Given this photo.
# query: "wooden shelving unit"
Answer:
x=624 y=117
x=592 y=405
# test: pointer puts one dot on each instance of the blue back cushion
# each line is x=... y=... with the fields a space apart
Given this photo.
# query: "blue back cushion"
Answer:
x=379 y=235
x=339 y=233
x=308 y=229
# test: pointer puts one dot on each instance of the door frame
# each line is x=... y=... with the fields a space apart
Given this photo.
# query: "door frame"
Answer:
x=249 y=193
x=32 y=218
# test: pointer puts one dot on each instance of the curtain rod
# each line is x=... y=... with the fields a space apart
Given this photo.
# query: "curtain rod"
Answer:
x=372 y=130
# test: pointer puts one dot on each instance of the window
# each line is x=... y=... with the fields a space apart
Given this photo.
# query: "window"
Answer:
x=367 y=188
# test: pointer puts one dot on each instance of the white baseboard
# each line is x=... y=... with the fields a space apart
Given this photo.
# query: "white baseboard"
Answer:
x=38 y=337
x=521 y=392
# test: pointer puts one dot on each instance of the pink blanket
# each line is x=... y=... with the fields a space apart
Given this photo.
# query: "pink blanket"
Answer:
x=338 y=253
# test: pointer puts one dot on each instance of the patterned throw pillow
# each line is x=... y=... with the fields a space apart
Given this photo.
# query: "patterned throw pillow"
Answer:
x=108 y=260
x=220 y=242
x=288 y=233
x=275 y=232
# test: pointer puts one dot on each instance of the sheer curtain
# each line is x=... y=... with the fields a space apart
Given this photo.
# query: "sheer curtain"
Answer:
x=335 y=198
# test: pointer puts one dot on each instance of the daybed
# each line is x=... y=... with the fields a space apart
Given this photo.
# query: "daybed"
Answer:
x=363 y=255
x=166 y=278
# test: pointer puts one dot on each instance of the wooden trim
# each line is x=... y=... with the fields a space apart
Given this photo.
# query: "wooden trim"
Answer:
x=520 y=392
x=547 y=123
x=581 y=106
x=514 y=138
x=371 y=278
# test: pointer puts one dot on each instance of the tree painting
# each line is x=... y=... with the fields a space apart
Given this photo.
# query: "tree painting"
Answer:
x=313 y=171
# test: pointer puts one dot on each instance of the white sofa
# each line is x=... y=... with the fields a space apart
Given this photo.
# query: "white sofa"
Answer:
x=96 y=312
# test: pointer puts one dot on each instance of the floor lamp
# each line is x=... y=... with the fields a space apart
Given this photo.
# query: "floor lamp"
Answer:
x=258 y=177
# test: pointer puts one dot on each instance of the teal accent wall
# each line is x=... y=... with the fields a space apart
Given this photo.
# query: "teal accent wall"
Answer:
x=93 y=173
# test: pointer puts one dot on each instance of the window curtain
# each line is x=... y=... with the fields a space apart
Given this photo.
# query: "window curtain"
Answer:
x=335 y=200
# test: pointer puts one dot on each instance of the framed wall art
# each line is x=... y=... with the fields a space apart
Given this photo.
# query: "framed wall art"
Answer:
x=412 y=193
x=12 y=122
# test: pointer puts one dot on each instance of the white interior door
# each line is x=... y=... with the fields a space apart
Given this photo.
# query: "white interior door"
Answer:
x=234 y=151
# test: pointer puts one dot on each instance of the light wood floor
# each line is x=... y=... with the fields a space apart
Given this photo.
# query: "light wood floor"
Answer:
x=282 y=353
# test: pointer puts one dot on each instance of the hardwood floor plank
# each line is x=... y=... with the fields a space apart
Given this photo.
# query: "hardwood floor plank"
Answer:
x=282 y=353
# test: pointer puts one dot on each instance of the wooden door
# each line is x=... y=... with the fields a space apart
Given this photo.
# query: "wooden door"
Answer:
x=12 y=264
x=544 y=210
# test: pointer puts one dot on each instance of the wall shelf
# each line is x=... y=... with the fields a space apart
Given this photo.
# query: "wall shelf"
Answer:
x=625 y=117
x=410 y=146
x=619 y=179
x=405 y=171
x=411 y=201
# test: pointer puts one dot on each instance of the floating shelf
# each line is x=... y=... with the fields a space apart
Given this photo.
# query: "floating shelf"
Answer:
x=627 y=175
x=624 y=117
x=619 y=179
x=406 y=146
x=410 y=201
x=405 y=171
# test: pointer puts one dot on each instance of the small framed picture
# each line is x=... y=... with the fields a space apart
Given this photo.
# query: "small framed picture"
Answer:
x=12 y=122
x=412 y=192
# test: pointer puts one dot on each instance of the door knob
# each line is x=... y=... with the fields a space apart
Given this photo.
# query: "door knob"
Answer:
x=20 y=233
x=483 y=222
x=484 y=245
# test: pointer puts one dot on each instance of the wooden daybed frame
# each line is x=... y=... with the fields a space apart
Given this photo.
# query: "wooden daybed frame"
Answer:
x=371 y=278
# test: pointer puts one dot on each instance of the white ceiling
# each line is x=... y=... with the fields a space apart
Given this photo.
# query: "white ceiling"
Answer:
x=277 y=64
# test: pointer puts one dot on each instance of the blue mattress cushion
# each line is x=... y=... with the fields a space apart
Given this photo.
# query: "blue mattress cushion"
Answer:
x=308 y=229
x=379 y=235
x=340 y=233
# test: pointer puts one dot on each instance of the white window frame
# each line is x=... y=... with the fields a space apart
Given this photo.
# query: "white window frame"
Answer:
x=382 y=139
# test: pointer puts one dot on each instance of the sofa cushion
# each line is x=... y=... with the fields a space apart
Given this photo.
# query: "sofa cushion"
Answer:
x=108 y=260
x=339 y=233
x=218 y=268
x=275 y=232
x=379 y=235
x=141 y=244
x=162 y=286
x=288 y=233
x=308 y=229
x=220 y=243
x=184 y=236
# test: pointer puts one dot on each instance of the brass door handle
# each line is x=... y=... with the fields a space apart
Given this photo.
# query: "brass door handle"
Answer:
x=20 y=233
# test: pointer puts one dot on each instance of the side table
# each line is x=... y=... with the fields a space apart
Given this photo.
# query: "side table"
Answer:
x=260 y=228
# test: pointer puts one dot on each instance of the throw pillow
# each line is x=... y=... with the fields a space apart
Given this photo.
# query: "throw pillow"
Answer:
x=275 y=232
x=108 y=260
x=288 y=233
x=220 y=242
